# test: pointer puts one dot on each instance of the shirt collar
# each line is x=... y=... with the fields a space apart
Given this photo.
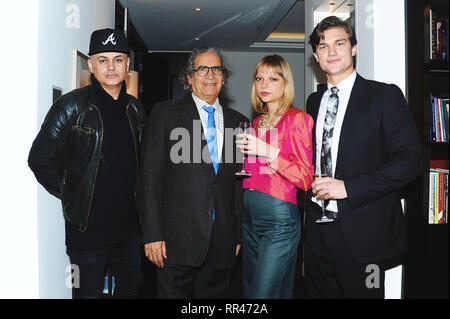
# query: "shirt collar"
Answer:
x=345 y=85
x=200 y=103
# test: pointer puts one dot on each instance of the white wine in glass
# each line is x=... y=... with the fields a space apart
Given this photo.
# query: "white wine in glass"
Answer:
x=321 y=172
x=243 y=129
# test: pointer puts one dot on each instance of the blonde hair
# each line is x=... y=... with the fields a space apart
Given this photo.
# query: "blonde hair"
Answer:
x=280 y=66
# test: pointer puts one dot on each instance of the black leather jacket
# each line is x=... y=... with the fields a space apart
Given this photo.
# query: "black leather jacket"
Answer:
x=66 y=152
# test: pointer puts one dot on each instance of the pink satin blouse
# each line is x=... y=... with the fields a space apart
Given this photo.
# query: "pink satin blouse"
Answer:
x=293 y=167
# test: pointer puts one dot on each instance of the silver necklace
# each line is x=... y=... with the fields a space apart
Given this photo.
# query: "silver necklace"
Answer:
x=269 y=124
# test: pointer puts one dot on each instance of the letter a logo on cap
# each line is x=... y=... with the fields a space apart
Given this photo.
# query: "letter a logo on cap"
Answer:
x=110 y=38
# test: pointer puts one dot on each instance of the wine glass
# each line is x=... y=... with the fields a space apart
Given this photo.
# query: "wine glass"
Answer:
x=243 y=129
x=319 y=173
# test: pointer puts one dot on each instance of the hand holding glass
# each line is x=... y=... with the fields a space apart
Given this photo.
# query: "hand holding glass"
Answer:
x=243 y=129
x=321 y=172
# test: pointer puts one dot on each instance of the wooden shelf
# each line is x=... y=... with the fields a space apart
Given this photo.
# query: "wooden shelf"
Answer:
x=438 y=145
x=437 y=66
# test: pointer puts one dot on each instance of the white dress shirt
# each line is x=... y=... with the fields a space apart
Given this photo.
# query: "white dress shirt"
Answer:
x=345 y=89
x=218 y=118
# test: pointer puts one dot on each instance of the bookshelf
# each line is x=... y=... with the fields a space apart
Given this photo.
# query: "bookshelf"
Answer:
x=426 y=267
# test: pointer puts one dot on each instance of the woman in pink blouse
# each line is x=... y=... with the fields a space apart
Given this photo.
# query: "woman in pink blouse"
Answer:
x=280 y=161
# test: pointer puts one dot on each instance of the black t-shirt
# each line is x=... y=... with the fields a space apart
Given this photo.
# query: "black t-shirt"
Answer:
x=113 y=216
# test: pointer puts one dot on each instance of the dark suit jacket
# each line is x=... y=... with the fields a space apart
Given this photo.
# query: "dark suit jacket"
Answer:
x=379 y=152
x=179 y=188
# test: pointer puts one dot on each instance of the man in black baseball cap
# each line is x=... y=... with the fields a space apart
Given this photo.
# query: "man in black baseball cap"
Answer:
x=87 y=154
x=108 y=40
x=109 y=61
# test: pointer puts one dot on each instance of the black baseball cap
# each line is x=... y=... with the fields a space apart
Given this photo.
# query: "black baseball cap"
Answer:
x=108 y=40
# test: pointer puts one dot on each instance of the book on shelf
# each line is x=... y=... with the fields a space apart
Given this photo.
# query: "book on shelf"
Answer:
x=439 y=40
x=446 y=106
x=432 y=120
x=439 y=109
x=443 y=136
x=445 y=197
x=444 y=116
x=438 y=196
x=440 y=200
x=442 y=163
x=439 y=119
x=431 y=199
x=446 y=39
x=436 y=32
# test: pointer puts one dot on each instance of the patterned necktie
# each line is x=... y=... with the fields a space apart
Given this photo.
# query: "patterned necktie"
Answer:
x=211 y=137
x=328 y=126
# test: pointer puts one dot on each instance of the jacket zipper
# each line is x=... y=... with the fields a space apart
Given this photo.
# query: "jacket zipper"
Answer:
x=135 y=151
x=98 y=163
x=134 y=136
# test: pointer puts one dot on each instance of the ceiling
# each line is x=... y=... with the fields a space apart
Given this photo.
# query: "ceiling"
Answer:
x=233 y=25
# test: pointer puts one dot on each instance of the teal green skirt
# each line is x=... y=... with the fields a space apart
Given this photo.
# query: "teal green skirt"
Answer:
x=271 y=235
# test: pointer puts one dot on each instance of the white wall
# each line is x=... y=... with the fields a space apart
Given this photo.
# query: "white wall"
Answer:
x=364 y=28
x=63 y=26
x=239 y=84
x=37 y=55
x=390 y=42
x=18 y=216
x=381 y=46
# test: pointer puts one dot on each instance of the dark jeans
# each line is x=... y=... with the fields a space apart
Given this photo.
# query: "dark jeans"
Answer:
x=124 y=260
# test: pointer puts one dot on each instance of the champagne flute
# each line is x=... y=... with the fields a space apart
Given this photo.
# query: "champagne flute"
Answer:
x=243 y=129
x=319 y=173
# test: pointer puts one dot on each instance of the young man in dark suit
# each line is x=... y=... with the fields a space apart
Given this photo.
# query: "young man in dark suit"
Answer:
x=366 y=143
x=191 y=200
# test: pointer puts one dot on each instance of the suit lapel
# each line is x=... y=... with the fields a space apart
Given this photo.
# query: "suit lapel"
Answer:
x=191 y=114
x=226 y=124
x=351 y=116
x=190 y=109
x=315 y=114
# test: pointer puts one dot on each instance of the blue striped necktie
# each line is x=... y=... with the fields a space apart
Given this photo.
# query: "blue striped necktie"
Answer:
x=211 y=139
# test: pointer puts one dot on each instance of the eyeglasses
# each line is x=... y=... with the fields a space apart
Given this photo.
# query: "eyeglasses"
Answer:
x=203 y=70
